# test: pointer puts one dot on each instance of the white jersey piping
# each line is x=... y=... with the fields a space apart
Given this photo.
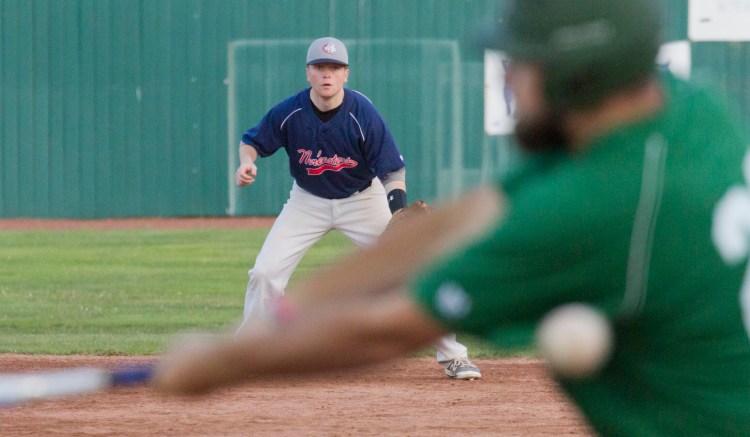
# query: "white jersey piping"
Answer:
x=287 y=118
x=368 y=99
x=358 y=125
x=644 y=225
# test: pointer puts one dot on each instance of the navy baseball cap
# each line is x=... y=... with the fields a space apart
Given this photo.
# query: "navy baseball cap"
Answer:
x=327 y=50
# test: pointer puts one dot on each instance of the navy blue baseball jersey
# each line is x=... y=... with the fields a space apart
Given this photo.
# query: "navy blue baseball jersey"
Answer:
x=332 y=159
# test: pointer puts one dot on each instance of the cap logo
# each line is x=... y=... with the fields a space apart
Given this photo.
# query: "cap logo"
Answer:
x=330 y=48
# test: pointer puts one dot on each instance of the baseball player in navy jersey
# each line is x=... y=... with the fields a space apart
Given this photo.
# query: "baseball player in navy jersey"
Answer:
x=344 y=160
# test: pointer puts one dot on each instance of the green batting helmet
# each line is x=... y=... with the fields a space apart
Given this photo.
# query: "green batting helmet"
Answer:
x=588 y=48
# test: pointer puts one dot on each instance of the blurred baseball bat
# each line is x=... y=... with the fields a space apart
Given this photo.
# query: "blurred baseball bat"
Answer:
x=16 y=388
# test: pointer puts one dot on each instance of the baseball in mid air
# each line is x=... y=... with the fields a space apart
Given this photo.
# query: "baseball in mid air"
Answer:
x=575 y=339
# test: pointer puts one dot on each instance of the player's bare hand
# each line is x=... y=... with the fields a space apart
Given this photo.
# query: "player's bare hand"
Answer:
x=246 y=173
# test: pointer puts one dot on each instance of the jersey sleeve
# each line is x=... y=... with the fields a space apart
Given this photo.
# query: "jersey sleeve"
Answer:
x=266 y=137
x=380 y=148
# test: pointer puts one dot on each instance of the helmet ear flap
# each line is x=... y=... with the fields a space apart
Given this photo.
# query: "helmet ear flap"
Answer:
x=571 y=85
x=567 y=89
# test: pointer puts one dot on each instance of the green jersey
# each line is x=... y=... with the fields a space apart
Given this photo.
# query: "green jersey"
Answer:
x=650 y=224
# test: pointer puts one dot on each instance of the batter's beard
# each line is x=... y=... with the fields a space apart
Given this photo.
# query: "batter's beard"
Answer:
x=544 y=133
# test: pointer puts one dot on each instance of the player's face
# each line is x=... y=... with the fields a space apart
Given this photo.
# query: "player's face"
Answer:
x=327 y=80
x=538 y=126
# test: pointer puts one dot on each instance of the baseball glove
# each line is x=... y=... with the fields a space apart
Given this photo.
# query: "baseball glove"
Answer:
x=403 y=215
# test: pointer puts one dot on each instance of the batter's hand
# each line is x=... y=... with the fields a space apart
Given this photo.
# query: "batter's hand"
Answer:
x=246 y=173
x=191 y=367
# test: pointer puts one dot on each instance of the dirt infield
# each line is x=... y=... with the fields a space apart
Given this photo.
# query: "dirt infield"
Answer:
x=25 y=224
x=409 y=397
x=405 y=397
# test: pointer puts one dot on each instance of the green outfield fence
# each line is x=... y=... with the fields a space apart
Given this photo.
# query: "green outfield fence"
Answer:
x=115 y=108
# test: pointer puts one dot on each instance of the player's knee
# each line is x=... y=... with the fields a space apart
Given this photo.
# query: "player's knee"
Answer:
x=260 y=274
x=267 y=275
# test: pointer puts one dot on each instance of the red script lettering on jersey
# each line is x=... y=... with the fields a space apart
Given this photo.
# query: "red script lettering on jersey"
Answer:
x=320 y=164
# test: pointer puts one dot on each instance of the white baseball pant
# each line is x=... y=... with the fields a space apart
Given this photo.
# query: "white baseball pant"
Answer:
x=304 y=220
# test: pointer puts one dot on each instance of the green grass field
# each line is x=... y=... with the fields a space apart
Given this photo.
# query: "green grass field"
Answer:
x=129 y=291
